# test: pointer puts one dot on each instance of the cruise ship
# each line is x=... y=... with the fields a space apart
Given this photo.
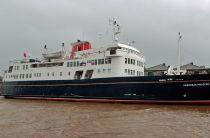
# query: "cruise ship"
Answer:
x=113 y=74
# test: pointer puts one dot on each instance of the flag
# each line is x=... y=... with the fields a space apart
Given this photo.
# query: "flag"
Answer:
x=180 y=36
x=24 y=54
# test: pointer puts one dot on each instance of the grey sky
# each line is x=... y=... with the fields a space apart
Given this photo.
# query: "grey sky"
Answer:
x=26 y=25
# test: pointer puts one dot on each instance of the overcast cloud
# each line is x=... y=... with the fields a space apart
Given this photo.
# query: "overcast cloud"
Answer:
x=26 y=25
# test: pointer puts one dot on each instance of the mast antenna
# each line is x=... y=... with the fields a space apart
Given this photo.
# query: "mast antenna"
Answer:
x=116 y=29
x=179 y=54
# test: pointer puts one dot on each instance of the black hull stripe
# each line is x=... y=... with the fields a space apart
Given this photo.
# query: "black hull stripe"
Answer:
x=109 y=83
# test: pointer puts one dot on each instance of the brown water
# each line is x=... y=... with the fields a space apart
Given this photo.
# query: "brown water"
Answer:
x=25 y=118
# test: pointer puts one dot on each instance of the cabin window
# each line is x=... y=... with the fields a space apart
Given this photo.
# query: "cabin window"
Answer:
x=60 y=73
x=71 y=64
x=104 y=70
x=69 y=73
x=23 y=75
x=67 y=64
x=75 y=63
x=26 y=75
x=10 y=69
x=126 y=70
x=30 y=75
x=95 y=62
x=133 y=61
x=26 y=66
x=112 y=51
x=53 y=74
x=48 y=74
x=78 y=75
x=88 y=74
x=108 y=61
x=99 y=70
x=100 y=61
x=82 y=64
x=126 y=60
x=33 y=65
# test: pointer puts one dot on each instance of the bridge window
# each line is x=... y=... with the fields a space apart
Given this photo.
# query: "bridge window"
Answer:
x=10 y=69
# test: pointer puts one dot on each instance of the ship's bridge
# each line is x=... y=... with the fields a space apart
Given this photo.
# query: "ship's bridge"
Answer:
x=121 y=49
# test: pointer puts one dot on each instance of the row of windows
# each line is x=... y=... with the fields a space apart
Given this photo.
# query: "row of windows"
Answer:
x=104 y=70
x=93 y=62
x=25 y=67
x=130 y=61
x=133 y=61
x=16 y=67
x=131 y=51
x=133 y=72
x=22 y=76
x=139 y=63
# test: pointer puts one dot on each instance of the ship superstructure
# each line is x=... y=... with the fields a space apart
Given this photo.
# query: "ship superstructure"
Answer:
x=84 y=63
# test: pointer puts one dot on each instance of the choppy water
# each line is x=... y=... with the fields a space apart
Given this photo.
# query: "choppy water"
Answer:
x=25 y=118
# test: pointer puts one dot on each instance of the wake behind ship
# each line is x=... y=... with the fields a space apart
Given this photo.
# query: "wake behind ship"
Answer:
x=114 y=73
